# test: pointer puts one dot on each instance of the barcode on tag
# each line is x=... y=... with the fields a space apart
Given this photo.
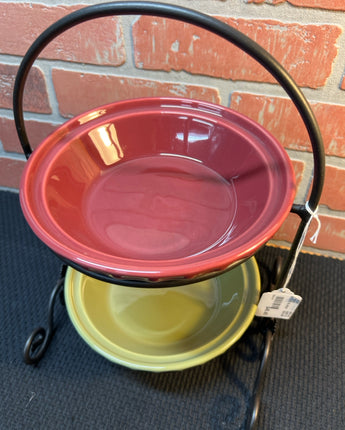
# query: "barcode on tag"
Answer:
x=278 y=300
x=278 y=304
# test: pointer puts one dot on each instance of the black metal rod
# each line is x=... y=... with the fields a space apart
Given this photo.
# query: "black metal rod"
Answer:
x=39 y=340
x=256 y=396
x=293 y=250
x=193 y=17
x=143 y=283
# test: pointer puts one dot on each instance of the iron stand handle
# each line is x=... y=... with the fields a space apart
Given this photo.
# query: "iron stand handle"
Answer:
x=215 y=26
x=192 y=17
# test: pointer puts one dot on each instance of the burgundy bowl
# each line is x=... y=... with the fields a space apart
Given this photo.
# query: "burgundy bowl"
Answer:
x=157 y=188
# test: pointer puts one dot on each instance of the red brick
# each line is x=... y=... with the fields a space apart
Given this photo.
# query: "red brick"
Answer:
x=98 y=41
x=322 y=4
x=35 y=94
x=280 y=117
x=10 y=172
x=78 y=92
x=306 y=51
x=331 y=236
x=36 y=132
x=333 y=194
x=299 y=167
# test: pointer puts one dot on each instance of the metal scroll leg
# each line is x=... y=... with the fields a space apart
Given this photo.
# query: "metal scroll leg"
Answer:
x=267 y=327
x=39 y=340
x=256 y=397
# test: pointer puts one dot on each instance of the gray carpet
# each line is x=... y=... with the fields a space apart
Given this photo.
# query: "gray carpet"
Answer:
x=75 y=388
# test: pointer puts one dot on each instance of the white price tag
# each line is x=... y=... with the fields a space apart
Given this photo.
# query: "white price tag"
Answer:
x=278 y=304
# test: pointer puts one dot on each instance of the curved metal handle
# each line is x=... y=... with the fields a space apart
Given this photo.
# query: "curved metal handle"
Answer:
x=193 y=17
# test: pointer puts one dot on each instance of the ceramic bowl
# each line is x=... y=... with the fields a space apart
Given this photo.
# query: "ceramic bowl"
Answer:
x=163 y=329
x=157 y=188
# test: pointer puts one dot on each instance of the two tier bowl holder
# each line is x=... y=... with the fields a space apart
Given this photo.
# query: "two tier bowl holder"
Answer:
x=39 y=340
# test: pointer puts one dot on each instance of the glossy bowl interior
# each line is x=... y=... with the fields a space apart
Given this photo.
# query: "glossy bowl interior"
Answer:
x=157 y=188
x=163 y=329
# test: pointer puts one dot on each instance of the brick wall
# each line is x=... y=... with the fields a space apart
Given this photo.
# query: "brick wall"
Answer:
x=116 y=58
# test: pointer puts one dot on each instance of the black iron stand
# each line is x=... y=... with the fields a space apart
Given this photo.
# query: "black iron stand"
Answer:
x=39 y=340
